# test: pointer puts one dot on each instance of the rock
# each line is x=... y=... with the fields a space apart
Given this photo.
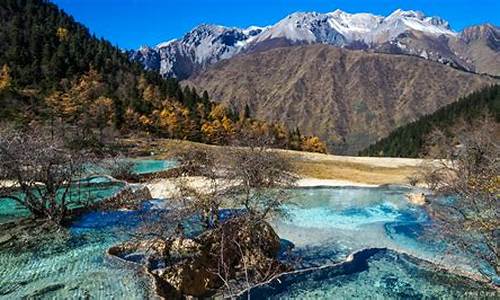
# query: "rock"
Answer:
x=4 y=238
x=46 y=291
x=184 y=247
x=417 y=198
x=128 y=198
x=153 y=247
x=236 y=244
x=192 y=278
x=191 y=268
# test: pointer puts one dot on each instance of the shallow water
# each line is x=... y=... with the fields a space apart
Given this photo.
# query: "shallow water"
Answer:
x=148 y=166
x=140 y=166
x=325 y=225
x=75 y=266
x=102 y=188
x=381 y=275
x=328 y=224
x=10 y=210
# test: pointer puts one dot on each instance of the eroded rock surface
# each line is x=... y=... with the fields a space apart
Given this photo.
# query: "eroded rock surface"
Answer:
x=196 y=267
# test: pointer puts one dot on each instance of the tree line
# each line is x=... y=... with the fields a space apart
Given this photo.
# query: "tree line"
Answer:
x=55 y=71
x=411 y=140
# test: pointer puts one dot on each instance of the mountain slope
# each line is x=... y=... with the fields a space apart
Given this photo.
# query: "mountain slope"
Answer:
x=349 y=98
x=402 y=32
x=54 y=72
x=409 y=140
x=45 y=49
x=481 y=44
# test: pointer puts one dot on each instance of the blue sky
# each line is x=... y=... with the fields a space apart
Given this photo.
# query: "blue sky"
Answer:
x=132 y=23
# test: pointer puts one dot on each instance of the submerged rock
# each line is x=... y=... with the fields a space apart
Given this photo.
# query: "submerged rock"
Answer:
x=417 y=198
x=45 y=292
x=147 y=248
x=29 y=234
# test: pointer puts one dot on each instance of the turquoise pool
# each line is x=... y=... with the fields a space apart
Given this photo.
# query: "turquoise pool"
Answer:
x=379 y=274
x=99 y=187
x=327 y=224
x=140 y=166
x=148 y=166
x=99 y=190
x=75 y=266
x=324 y=224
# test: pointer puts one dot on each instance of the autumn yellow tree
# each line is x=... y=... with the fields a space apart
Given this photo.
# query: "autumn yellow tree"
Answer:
x=145 y=121
x=5 y=79
x=131 y=119
x=102 y=113
x=313 y=144
x=63 y=106
x=214 y=133
x=219 y=128
x=77 y=105
x=62 y=33
x=281 y=135
x=150 y=93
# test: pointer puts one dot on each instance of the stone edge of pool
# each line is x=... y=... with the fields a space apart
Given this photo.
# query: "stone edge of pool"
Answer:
x=364 y=254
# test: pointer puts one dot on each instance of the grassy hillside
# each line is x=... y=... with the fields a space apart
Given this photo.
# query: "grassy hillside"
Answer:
x=409 y=140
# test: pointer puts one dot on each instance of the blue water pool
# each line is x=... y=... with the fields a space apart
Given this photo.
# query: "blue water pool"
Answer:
x=377 y=274
x=330 y=223
x=99 y=190
x=75 y=266
x=140 y=166
x=148 y=166
x=324 y=224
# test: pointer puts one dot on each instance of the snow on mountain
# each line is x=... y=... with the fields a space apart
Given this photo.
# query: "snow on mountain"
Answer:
x=400 y=21
x=208 y=44
x=354 y=26
x=302 y=28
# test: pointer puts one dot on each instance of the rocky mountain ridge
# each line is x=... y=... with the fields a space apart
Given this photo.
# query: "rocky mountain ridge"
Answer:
x=474 y=49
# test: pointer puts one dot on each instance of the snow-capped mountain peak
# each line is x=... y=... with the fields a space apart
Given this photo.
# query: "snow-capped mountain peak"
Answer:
x=297 y=27
x=165 y=44
x=207 y=43
x=399 y=13
x=401 y=21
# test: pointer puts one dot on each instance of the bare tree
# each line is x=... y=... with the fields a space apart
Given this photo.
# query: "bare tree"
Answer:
x=118 y=167
x=466 y=181
x=205 y=201
x=261 y=181
x=254 y=179
x=238 y=250
x=37 y=171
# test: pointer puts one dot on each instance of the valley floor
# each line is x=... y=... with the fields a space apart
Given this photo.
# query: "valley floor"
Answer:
x=314 y=168
x=320 y=169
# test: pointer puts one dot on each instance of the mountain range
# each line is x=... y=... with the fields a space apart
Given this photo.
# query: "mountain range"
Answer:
x=348 y=98
x=350 y=95
x=475 y=49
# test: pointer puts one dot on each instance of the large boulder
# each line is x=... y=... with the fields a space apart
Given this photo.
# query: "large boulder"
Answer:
x=238 y=246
